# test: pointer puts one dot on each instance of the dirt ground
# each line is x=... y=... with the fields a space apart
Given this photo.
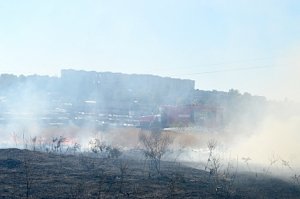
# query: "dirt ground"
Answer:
x=29 y=174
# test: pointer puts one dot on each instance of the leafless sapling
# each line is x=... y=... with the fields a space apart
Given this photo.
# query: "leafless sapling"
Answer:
x=155 y=145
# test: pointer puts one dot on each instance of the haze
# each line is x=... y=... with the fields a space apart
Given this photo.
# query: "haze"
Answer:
x=251 y=46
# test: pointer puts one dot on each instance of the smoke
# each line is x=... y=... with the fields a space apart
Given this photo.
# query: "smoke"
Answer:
x=255 y=127
x=279 y=132
x=21 y=107
x=277 y=136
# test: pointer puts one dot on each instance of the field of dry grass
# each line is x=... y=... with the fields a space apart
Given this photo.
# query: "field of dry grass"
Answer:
x=29 y=174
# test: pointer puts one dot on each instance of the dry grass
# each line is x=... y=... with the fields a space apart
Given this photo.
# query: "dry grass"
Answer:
x=55 y=176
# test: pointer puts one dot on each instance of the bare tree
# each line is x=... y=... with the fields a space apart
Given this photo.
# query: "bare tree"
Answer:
x=155 y=145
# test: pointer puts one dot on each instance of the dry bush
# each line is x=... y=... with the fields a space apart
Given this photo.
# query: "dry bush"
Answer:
x=213 y=162
x=96 y=146
x=100 y=148
x=57 y=143
x=272 y=161
x=74 y=148
x=155 y=145
x=222 y=179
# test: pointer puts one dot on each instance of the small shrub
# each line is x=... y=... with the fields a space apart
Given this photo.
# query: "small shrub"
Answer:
x=155 y=146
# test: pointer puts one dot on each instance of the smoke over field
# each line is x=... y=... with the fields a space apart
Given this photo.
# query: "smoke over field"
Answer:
x=223 y=141
x=277 y=136
x=247 y=126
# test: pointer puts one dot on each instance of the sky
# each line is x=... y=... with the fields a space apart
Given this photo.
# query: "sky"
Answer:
x=249 y=45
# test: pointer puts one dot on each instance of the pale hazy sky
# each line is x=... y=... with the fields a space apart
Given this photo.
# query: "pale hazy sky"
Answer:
x=249 y=45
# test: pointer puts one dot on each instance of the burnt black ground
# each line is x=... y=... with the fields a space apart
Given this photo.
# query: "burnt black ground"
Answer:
x=79 y=176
